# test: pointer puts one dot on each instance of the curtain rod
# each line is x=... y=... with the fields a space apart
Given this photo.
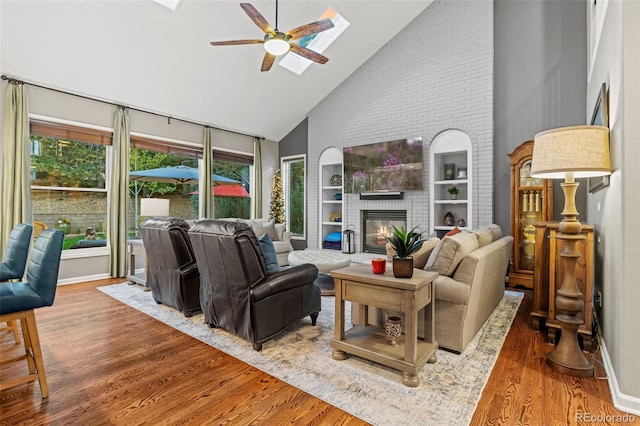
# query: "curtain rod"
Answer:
x=168 y=117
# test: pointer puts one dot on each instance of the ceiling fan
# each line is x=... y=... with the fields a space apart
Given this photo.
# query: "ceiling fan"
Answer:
x=276 y=42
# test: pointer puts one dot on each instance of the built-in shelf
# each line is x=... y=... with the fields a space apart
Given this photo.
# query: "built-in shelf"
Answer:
x=330 y=164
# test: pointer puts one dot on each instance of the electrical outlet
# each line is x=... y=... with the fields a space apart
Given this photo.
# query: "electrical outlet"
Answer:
x=598 y=299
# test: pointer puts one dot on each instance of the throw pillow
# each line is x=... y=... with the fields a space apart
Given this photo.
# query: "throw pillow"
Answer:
x=420 y=257
x=269 y=228
x=485 y=236
x=454 y=231
x=334 y=237
x=269 y=252
x=450 y=251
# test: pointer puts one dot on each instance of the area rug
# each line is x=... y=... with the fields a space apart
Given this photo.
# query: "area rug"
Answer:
x=448 y=393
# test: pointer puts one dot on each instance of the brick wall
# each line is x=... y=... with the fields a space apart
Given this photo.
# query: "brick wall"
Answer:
x=436 y=74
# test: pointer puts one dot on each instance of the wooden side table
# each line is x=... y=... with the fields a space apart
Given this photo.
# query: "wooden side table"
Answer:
x=136 y=248
x=412 y=296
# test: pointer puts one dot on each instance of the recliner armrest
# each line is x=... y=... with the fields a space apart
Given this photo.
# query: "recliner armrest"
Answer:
x=283 y=280
x=189 y=270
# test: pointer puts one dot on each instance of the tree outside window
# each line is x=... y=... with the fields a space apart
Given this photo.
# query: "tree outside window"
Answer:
x=293 y=181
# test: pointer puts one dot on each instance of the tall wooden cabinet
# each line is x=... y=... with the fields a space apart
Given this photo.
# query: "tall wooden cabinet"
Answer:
x=548 y=279
x=531 y=202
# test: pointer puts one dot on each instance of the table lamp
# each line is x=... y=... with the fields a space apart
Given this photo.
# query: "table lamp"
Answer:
x=155 y=207
x=569 y=153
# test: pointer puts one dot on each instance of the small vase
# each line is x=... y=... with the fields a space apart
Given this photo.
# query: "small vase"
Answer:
x=454 y=196
x=403 y=267
x=393 y=328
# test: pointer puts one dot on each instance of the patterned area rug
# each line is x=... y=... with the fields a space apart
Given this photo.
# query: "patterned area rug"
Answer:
x=448 y=393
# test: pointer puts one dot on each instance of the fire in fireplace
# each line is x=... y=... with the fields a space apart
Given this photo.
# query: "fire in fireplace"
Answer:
x=377 y=225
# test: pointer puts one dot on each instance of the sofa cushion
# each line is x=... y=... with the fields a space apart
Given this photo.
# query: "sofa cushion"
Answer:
x=269 y=252
x=485 y=236
x=269 y=228
x=421 y=256
x=445 y=258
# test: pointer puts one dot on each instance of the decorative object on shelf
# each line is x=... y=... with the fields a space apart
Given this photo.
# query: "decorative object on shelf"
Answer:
x=338 y=196
x=335 y=217
x=462 y=173
x=393 y=328
x=336 y=180
x=461 y=222
x=570 y=152
x=449 y=220
x=348 y=241
x=449 y=171
x=453 y=192
x=404 y=244
x=379 y=265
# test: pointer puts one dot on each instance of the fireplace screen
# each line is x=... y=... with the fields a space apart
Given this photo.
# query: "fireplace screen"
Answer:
x=377 y=225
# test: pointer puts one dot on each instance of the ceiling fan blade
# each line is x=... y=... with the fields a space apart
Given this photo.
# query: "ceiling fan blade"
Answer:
x=234 y=42
x=308 y=53
x=256 y=17
x=312 y=28
x=267 y=62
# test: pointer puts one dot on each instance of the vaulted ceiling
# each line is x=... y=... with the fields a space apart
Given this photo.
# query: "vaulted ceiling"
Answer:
x=147 y=56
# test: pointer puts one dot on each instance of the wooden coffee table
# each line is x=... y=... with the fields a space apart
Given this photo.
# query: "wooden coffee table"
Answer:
x=412 y=296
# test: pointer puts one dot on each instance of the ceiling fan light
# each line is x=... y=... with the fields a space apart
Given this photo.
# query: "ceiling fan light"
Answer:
x=276 y=46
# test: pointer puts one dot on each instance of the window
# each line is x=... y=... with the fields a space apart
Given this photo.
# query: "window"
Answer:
x=68 y=181
x=232 y=184
x=294 y=189
x=163 y=169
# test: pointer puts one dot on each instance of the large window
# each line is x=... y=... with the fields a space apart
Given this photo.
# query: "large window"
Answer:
x=232 y=184
x=163 y=169
x=293 y=187
x=68 y=182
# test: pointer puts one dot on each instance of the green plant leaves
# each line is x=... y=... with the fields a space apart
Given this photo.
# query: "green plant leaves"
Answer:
x=404 y=242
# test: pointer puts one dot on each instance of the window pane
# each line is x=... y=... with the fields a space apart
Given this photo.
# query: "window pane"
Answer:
x=67 y=163
x=182 y=196
x=294 y=192
x=232 y=189
x=81 y=215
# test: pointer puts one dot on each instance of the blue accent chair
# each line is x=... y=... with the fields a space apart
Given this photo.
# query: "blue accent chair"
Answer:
x=18 y=300
x=14 y=263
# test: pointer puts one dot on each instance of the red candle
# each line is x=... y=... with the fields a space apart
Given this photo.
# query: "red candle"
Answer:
x=379 y=265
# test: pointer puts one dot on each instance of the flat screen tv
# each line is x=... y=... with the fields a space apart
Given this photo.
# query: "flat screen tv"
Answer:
x=384 y=166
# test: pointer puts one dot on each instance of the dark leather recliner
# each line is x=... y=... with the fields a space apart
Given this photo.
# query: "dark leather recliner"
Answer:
x=238 y=294
x=16 y=253
x=172 y=271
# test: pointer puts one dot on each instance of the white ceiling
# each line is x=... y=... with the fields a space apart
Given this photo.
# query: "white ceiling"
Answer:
x=144 y=55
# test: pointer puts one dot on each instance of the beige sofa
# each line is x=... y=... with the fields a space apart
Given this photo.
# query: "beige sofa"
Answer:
x=472 y=267
x=277 y=231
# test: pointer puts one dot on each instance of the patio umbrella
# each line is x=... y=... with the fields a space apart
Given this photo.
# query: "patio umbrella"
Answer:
x=176 y=174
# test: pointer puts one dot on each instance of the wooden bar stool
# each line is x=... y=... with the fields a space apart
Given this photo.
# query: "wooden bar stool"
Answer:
x=18 y=300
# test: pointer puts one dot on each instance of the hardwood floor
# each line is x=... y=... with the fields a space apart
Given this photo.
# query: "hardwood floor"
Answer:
x=107 y=363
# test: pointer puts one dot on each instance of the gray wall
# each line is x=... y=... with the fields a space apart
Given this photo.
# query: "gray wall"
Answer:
x=540 y=84
x=296 y=143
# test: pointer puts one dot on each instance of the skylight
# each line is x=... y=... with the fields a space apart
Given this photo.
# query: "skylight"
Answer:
x=169 y=4
x=316 y=42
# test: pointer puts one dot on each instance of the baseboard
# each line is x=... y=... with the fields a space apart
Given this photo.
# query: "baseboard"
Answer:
x=621 y=401
x=75 y=280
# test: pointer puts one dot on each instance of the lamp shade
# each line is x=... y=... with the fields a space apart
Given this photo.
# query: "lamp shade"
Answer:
x=581 y=150
x=154 y=207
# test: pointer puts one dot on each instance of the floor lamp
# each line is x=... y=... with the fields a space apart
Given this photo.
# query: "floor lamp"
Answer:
x=569 y=153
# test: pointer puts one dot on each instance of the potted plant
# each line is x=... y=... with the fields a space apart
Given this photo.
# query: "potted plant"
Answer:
x=453 y=192
x=404 y=244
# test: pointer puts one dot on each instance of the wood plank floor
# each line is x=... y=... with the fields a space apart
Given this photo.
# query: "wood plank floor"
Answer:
x=107 y=363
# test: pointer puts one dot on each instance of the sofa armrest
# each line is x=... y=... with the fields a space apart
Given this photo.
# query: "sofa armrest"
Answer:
x=286 y=236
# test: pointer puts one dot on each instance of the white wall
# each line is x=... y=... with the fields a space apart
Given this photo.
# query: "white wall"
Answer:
x=436 y=74
x=614 y=58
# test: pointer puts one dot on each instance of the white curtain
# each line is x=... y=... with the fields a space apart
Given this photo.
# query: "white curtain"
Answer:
x=16 y=192
x=119 y=194
x=205 y=184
